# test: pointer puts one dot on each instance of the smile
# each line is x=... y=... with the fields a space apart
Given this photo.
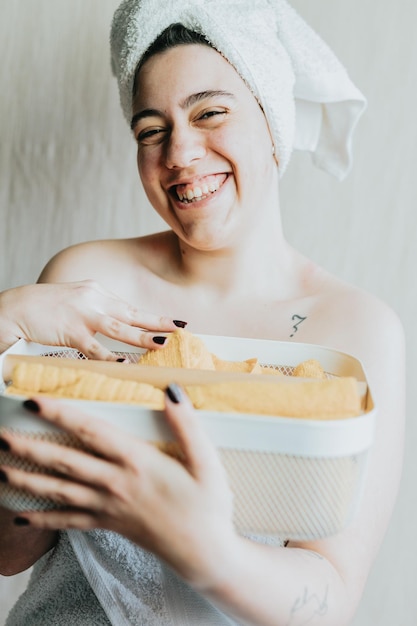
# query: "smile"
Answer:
x=199 y=190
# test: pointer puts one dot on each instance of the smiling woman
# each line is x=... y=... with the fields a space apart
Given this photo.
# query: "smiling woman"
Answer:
x=217 y=95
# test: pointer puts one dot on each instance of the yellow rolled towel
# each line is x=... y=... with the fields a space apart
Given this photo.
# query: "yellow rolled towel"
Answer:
x=316 y=399
x=182 y=349
x=250 y=366
x=67 y=382
x=309 y=369
x=39 y=378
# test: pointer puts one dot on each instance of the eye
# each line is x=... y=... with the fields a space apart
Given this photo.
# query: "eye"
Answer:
x=211 y=113
x=149 y=136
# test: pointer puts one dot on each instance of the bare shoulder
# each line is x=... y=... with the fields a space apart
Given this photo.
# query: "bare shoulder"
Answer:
x=107 y=260
x=372 y=332
x=364 y=326
x=359 y=323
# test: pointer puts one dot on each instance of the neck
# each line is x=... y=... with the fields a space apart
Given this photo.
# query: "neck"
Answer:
x=256 y=264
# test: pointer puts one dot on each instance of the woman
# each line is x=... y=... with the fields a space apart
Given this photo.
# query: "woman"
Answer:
x=213 y=139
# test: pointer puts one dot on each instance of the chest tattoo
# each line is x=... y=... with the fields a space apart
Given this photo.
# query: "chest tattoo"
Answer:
x=298 y=319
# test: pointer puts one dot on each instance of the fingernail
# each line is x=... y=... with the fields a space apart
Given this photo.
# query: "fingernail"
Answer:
x=159 y=340
x=174 y=393
x=31 y=405
x=21 y=521
x=4 y=445
x=180 y=324
x=3 y=477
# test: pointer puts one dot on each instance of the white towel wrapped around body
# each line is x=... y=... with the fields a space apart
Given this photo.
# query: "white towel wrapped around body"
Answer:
x=101 y=578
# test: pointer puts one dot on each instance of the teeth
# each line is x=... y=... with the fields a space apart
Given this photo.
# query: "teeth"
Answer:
x=198 y=192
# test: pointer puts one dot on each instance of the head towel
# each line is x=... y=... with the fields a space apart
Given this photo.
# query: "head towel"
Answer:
x=307 y=96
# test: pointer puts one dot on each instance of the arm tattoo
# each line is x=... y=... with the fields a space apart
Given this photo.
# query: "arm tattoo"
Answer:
x=306 y=607
x=297 y=323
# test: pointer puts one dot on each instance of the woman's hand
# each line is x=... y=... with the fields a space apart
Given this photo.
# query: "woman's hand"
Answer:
x=181 y=511
x=70 y=314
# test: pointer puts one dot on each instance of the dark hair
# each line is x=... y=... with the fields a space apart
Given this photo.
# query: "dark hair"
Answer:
x=175 y=35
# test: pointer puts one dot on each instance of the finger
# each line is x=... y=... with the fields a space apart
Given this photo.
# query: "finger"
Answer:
x=64 y=493
x=61 y=460
x=134 y=316
x=144 y=319
x=93 y=349
x=201 y=455
x=88 y=345
x=56 y=520
x=115 y=329
x=96 y=435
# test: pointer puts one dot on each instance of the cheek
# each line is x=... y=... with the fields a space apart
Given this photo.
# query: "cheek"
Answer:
x=247 y=141
x=147 y=168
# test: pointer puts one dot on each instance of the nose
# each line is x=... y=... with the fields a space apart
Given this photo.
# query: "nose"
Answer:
x=185 y=145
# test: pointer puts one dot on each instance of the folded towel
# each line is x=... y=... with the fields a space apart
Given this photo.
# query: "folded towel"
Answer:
x=308 y=98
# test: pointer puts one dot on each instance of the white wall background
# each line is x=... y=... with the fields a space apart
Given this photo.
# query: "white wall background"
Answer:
x=67 y=173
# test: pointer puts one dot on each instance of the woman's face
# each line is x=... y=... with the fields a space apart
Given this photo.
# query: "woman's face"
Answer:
x=204 y=148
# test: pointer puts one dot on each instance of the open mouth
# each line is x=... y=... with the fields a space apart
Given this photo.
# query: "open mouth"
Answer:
x=198 y=190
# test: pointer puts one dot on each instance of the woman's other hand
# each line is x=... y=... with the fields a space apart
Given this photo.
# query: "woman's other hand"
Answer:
x=70 y=314
x=181 y=511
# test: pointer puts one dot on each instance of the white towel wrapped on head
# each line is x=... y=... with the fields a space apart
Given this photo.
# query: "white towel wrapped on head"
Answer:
x=307 y=96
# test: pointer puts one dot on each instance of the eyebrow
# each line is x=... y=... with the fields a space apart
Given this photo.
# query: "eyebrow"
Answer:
x=185 y=104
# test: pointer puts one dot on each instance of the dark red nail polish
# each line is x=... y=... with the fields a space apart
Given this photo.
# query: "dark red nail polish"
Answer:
x=174 y=393
x=3 y=477
x=4 y=445
x=159 y=340
x=21 y=521
x=31 y=405
x=180 y=323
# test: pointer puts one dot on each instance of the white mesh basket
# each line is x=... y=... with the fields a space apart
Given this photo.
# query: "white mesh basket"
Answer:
x=293 y=478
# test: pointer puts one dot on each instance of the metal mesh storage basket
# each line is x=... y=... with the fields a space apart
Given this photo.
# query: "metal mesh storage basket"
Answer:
x=292 y=478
